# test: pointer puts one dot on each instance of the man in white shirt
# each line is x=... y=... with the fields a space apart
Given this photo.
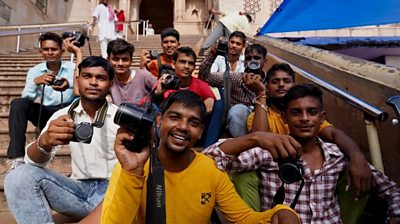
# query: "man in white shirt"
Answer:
x=32 y=190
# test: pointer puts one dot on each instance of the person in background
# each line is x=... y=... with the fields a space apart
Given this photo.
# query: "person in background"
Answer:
x=120 y=26
x=150 y=30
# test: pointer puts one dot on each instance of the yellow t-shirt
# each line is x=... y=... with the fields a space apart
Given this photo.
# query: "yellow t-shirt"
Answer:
x=276 y=124
x=191 y=196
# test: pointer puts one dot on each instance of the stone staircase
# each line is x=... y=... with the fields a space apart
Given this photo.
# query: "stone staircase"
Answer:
x=13 y=70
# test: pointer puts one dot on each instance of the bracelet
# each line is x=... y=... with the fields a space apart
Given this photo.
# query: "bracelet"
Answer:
x=262 y=106
x=42 y=150
x=263 y=95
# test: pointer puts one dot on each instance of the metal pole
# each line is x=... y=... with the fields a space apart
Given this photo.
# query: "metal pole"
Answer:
x=126 y=31
x=72 y=58
x=144 y=31
x=374 y=147
x=18 y=39
x=137 y=31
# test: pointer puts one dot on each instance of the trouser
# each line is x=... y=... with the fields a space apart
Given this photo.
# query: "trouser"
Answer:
x=32 y=192
x=220 y=30
x=23 y=110
x=103 y=47
x=237 y=120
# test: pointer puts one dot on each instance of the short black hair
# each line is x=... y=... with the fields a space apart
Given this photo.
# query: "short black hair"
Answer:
x=120 y=46
x=284 y=67
x=184 y=50
x=248 y=16
x=239 y=34
x=169 y=31
x=300 y=91
x=97 y=61
x=256 y=47
x=187 y=99
x=51 y=36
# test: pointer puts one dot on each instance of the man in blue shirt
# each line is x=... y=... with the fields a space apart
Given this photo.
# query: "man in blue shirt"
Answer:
x=48 y=88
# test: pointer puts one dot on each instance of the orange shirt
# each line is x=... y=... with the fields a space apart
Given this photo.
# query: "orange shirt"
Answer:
x=152 y=66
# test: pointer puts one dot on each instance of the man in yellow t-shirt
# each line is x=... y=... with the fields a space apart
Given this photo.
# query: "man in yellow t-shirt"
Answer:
x=193 y=184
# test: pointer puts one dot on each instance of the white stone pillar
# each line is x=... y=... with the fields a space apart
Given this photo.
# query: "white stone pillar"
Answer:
x=179 y=10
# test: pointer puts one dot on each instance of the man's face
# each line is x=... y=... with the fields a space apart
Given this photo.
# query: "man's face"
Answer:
x=254 y=55
x=184 y=66
x=304 y=117
x=120 y=63
x=279 y=84
x=180 y=128
x=93 y=83
x=50 y=50
x=235 y=46
x=169 y=44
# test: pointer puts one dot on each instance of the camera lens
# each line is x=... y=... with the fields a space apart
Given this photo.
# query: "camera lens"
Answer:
x=83 y=132
x=290 y=173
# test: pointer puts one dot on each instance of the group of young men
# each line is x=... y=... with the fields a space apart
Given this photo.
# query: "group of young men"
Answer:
x=112 y=182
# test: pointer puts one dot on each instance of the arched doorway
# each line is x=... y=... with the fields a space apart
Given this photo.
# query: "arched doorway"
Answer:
x=160 y=13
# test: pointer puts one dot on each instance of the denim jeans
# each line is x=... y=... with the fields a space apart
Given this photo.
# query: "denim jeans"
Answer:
x=237 y=120
x=32 y=192
x=220 y=30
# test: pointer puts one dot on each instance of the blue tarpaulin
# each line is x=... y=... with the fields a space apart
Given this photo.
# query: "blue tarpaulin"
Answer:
x=300 y=15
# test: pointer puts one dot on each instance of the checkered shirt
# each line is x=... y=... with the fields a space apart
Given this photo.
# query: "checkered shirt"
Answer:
x=318 y=200
x=239 y=92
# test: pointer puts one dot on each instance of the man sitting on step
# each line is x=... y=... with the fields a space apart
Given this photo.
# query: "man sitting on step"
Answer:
x=48 y=88
x=87 y=126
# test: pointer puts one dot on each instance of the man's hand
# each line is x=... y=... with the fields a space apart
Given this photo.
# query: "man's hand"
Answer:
x=280 y=146
x=59 y=132
x=132 y=162
x=285 y=216
x=209 y=102
x=46 y=79
x=359 y=175
x=70 y=46
x=63 y=86
x=144 y=59
x=254 y=83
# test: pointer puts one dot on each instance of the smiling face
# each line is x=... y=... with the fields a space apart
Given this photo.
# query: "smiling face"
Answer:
x=93 y=84
x=304 y=117
x=180 y=128
x=121 y=63
x=50 y=50
x=169 y=44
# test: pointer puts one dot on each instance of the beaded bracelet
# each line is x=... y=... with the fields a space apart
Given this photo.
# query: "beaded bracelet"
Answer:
x=262 y=106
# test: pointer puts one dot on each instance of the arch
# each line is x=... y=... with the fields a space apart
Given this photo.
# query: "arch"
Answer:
x=160 y=13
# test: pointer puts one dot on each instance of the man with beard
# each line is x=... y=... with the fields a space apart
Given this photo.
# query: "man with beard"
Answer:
x=32 y=190
x=193 y=184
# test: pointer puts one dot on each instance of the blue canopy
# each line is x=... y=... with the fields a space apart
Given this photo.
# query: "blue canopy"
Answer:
x=300 y=15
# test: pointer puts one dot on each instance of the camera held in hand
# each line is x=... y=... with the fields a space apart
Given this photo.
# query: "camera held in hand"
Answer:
x=290 y=172
x=83 y=133
x=57 y=82
x=253 y=67
x=153 y=54
x=77 y=36
x=222 y=48
x=137 y=120
x=171 y=81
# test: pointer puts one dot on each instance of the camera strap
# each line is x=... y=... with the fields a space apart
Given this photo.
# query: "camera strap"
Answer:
x=100 y=117
x=155 y=198
x=227 y=86
x=280 y=195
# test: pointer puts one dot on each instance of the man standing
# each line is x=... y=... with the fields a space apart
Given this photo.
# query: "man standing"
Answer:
x=104 y=15
x=40 y=87
x=32 y=190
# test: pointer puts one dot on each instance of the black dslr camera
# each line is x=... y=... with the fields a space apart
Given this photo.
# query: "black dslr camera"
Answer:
x=290 y=172
x=137 y=120
x=253 y=67
x=83 y=133
x=78 y=36
x=153 y=54
x=222 y=48
x=171 y=82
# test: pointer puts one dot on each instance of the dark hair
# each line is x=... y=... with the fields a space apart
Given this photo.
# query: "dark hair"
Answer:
x=280 y=67
x=248 y=16
x=97 y=61
x=239 y=34
x=300 y=91
x=51 y=36
x=184 y=50
x=120 y=46
x=187 y=99
x=256 y=47
x=169 y=32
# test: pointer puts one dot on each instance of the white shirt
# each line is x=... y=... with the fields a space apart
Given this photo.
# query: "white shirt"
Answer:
x=219 y=64
x=106 y=27
x=89 y=161
x=236 y=22
x=149 y=32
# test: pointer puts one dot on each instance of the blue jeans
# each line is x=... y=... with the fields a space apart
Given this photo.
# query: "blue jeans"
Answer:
x=237 y=120
x=32 y=192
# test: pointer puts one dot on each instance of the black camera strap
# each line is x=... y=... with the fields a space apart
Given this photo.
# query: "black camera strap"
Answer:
x=227 y=87
x=155 y=197
x=280 y=195
x=100 y=117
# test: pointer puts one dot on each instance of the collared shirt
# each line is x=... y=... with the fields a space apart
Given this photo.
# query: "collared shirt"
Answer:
x=219 y=64
x=89 y=161
x=51 y=96
x=239 y=92
x=106 y=26
x=318 y=200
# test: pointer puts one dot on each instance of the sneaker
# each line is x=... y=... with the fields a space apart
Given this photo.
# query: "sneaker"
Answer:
x=14 y=163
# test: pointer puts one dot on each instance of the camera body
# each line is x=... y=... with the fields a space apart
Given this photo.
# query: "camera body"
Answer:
x=253 y=67
x=171 y=81
x=83 y=133
x=57 y=82
x=153 y=54
x=78 y=37
x=222 y=48
x=137 y=120
x=290 y=172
